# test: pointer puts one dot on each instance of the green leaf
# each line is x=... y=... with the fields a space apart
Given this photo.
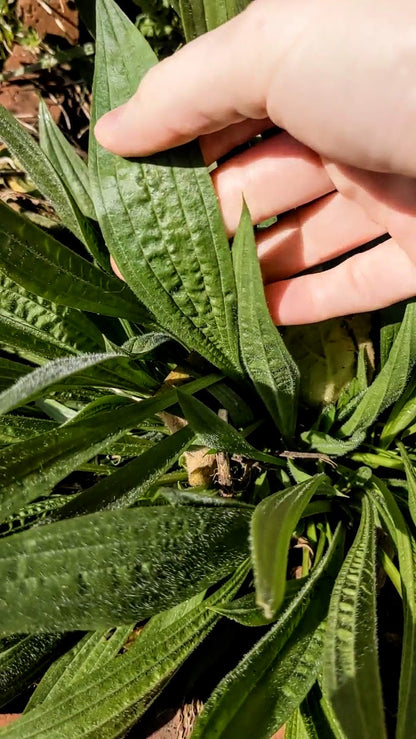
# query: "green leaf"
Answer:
x=317 y=717
x=109 y=699
x=411 y=479
x=272 y=526
x=16 y=428
x=71 y=169
x=351 y=678
x=42 y=173
x=391 y=380
x=31 y=385
x=266 y=359
x=132 y=481
x=326 y=444
x=200 y=498
x=390 y=322
x=41 y=330
x=217 y=434
x=93 y=650
x=239 y=410
x=273 y=678
x=160 y=216
x=245 y=611
x=295 y=728
x=401 y=416
x=32 y=514
x=11 y=371
x=34 y=259
x=116 y=566
x=406 y=552
x=32 y=468
x=200 y=16
x=22 y=659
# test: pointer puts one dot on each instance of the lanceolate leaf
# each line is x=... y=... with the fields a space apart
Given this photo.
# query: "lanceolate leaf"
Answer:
x=39 y=263
x=406 y=552
x=200 y=16
x=129 y=483
x=326 y=444
x=245 y=611
x=31 y=468
x=401 y=416
x=16 y=428
x=272 y=526
x=72 y=170
x=41 y=330
x=54 y=373
x=271 y=680
x=160 y=216
x=411 y=480
x=391 y=380
x=116 y=566
x=11 y=371
x=295 y=728
x=94 y=649
x=28 y=387
x=113 y=696
x=351 y=679
x=217 y=434
x=41 y=171
x=266 y=359
x=318 y=718
x=23 y=659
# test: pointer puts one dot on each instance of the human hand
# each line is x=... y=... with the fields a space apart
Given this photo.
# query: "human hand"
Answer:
x=334 y=74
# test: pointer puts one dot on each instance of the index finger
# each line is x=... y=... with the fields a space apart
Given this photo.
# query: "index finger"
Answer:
x=217 y=80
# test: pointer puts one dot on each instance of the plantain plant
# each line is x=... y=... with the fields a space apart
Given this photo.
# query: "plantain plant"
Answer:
x=116 y=562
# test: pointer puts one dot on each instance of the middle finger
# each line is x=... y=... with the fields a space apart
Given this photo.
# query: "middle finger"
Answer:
x=273 y=176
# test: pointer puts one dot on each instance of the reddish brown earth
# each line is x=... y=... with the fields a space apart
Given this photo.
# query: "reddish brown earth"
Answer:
x=20 y=93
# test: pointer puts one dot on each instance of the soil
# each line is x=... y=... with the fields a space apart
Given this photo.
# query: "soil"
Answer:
x=57 y=24
x=50 y=17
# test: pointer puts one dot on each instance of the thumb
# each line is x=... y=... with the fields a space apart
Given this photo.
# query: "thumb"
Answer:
x=219 y=79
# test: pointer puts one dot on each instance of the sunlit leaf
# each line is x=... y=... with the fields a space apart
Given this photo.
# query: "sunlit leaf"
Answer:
x=266 y=359
x=115 y=567
x=178 y=263
x=272 y=526
x=351 y=679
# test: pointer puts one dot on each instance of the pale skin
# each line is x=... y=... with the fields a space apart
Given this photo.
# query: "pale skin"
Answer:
x=339 y=77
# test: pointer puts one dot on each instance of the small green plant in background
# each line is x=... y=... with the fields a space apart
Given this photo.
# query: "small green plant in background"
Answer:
x=111 y=390
x=12 y=31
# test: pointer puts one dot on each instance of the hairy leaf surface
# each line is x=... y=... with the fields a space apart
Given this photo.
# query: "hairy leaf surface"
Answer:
x=406 y=552
x=272 y=526
x=272 y=679
x=72 y=170
x=160 y=216
x=63 y=370
x=200 y=16
x=116 y=566
x=411 y=479
x=217 y=434
x=266 y=359
x=42 y=173
x=42 y=330
x=351 y=678
x=22 y=659
x=31 y=468
x=112 y=697
x=34 y=259
x=127 y=484
x=391 y=380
